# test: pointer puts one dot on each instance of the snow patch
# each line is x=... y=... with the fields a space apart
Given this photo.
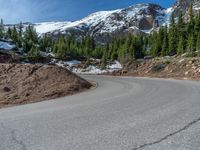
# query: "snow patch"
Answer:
x=6 y=46
x=46 y=27
x=115 y=65
x=147 y=31
x=91 y=69
x=196 y=7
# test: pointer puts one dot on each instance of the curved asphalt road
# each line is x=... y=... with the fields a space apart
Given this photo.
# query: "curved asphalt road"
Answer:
x=121 y=114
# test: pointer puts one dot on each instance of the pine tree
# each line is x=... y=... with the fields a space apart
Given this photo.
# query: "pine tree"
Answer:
x=20 y=29
x=9 y=33
x=14 y=35
x=104 y=60
x=30 y=38
x=172 y=36
x=180 y=49
x=1 y=29
x=191 y=14
x=34 y=53
x=191 y=45
x=165 y=43
x=154 y=42
x=198 y=44
x=45 y=43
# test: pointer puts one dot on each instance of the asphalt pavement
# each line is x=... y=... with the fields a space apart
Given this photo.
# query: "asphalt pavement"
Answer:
x=122 y=113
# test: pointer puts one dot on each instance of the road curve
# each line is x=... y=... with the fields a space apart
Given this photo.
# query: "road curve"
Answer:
x=122 y=113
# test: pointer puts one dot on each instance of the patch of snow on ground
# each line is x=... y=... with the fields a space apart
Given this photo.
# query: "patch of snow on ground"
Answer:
x=115 y=65
x=73 y=63
x=6 y=46
x=91 y=69
x=96 y=70
x=67 y=64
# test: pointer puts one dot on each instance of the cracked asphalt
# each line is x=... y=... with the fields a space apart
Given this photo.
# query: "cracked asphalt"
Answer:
x=122 y=113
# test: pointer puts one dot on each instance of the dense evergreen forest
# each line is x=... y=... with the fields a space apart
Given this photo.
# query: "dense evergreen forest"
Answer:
x=180 y=37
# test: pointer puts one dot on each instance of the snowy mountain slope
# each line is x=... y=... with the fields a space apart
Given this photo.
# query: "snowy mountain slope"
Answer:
x=137 y=19
x=46 y=27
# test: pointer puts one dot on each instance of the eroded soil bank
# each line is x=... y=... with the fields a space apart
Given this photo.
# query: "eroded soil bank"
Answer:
x=26 y=83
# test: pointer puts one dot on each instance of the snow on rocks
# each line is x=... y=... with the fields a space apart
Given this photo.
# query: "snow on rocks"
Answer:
x=6 y=45
x=76 y=67
x=46 y=27
x=115 y=65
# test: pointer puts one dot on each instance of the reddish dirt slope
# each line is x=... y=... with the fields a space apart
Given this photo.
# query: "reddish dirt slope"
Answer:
x=20 y=83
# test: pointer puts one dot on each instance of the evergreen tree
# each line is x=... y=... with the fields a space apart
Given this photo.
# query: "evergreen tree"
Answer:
x=9 y=33
x=191 y=14
x=14 y=35
x=104 y=60
x=180 y=49
x=20 y=29
x=45 y=43
x=1 y=29
x=34 y=54
x=30 y=38
x=191 y=45
x=198 y=44
x=172 y=36
x=154 y=46
x=165 y=43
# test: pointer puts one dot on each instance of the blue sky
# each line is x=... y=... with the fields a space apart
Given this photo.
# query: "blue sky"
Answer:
x=13 y=11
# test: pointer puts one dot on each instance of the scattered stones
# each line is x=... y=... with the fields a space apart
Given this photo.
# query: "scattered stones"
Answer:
x=182 y=60
x=191 y=62
x=194 y=67
x=6 y=89
x=186 y=73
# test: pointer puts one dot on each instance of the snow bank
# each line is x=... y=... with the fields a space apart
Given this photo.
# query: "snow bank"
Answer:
x=91 y=69
x=6 y=46
x=115 y=65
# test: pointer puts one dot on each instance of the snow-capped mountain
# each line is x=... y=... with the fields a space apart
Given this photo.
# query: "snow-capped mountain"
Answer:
x=137 y=19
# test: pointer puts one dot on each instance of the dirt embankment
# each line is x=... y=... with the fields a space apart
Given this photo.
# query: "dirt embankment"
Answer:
x=168 y=67
x=21 y=84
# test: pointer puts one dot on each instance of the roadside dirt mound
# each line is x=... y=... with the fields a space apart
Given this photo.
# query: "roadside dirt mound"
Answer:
x=25 y=83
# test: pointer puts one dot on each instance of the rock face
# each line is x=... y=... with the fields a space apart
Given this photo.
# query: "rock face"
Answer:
x=181 y=6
